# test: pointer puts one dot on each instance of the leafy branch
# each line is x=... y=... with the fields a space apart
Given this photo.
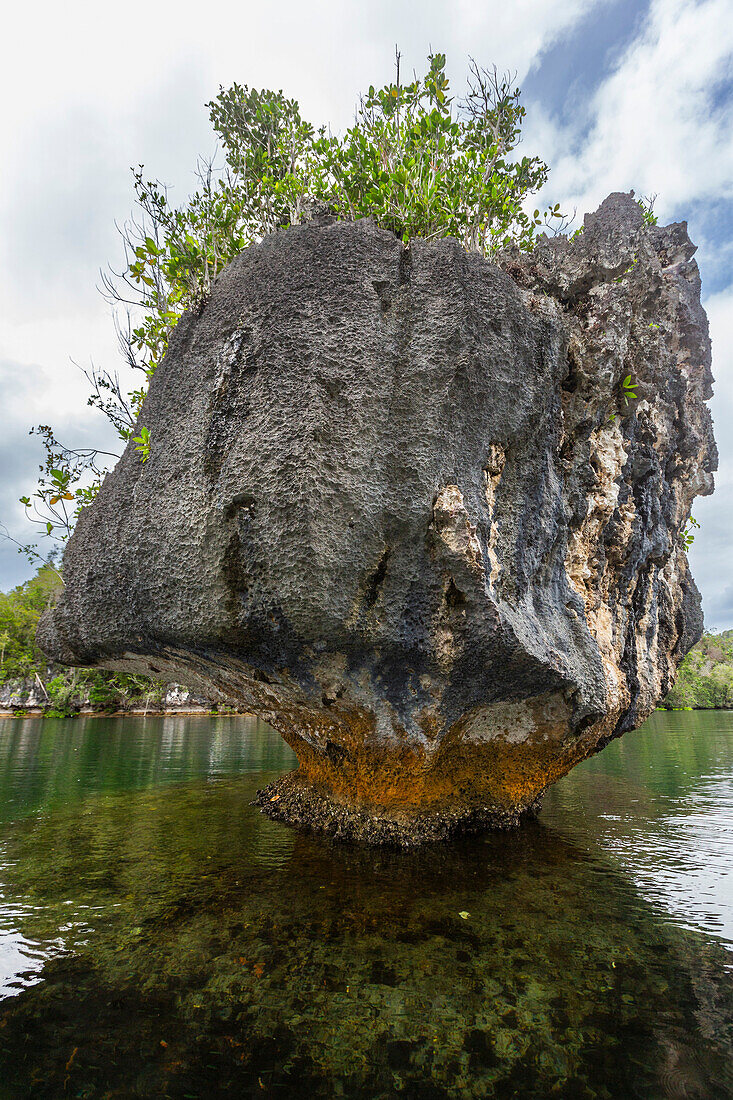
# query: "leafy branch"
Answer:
x=627 y=394
x=68 y=480
x=686 y=533
x=142 y=444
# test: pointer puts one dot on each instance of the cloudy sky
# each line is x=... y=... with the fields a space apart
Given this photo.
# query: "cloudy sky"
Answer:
x=619 y=94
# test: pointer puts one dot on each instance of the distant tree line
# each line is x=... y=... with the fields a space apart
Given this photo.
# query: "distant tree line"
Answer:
x=61 y=691
x=705 y=677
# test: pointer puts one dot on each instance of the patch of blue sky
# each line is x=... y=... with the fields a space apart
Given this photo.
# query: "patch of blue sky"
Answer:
x=565 y=77
x=710 y=223
x=720 y=93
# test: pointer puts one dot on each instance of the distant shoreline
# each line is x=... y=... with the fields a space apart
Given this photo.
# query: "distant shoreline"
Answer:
x=151 y=712
x=676 y=710
x=167 y=712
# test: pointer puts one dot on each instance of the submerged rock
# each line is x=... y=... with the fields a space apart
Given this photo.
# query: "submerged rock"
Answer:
x=396 y=505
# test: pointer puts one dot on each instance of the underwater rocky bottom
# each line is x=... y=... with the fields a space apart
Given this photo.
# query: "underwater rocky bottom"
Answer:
x=190 y=947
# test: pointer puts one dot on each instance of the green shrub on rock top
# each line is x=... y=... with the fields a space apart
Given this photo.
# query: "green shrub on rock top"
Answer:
x=417 y=160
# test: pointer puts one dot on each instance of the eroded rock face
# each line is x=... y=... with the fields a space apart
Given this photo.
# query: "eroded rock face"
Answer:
x=387 y=509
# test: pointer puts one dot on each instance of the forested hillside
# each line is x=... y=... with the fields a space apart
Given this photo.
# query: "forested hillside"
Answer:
x=59 y=691
x=705 y=677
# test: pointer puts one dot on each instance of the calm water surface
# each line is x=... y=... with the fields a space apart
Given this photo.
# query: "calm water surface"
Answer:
x=160 y=938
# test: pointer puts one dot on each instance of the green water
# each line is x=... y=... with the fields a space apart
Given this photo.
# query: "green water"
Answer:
x=160 y=938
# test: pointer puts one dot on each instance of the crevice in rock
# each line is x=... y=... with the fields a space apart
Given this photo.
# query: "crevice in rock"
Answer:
x=244 y=503
x=376 y=580
x=335 y=753
x=405 y=267
x=453 y=595
x=383 y=290
x=570 y=381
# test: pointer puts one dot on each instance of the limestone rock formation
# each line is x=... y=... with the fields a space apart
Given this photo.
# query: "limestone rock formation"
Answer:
x=396 y=505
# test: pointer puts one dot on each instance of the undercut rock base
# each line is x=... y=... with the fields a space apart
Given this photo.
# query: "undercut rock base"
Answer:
x=293 y=801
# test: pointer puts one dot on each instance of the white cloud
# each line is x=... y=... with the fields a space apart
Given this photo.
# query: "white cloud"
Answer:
x=719 y=308
x=28 y=395
x=515 y=34
x=652 y=122
x=711 y=556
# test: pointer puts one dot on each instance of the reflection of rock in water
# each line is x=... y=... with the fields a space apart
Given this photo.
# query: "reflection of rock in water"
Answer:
x=270 y=962
x=388 y=510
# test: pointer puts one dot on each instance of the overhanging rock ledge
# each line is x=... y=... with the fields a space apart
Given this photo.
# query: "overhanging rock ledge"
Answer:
x=396 y=506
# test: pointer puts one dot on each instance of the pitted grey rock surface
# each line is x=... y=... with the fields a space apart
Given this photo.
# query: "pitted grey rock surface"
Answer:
x=387 y=509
